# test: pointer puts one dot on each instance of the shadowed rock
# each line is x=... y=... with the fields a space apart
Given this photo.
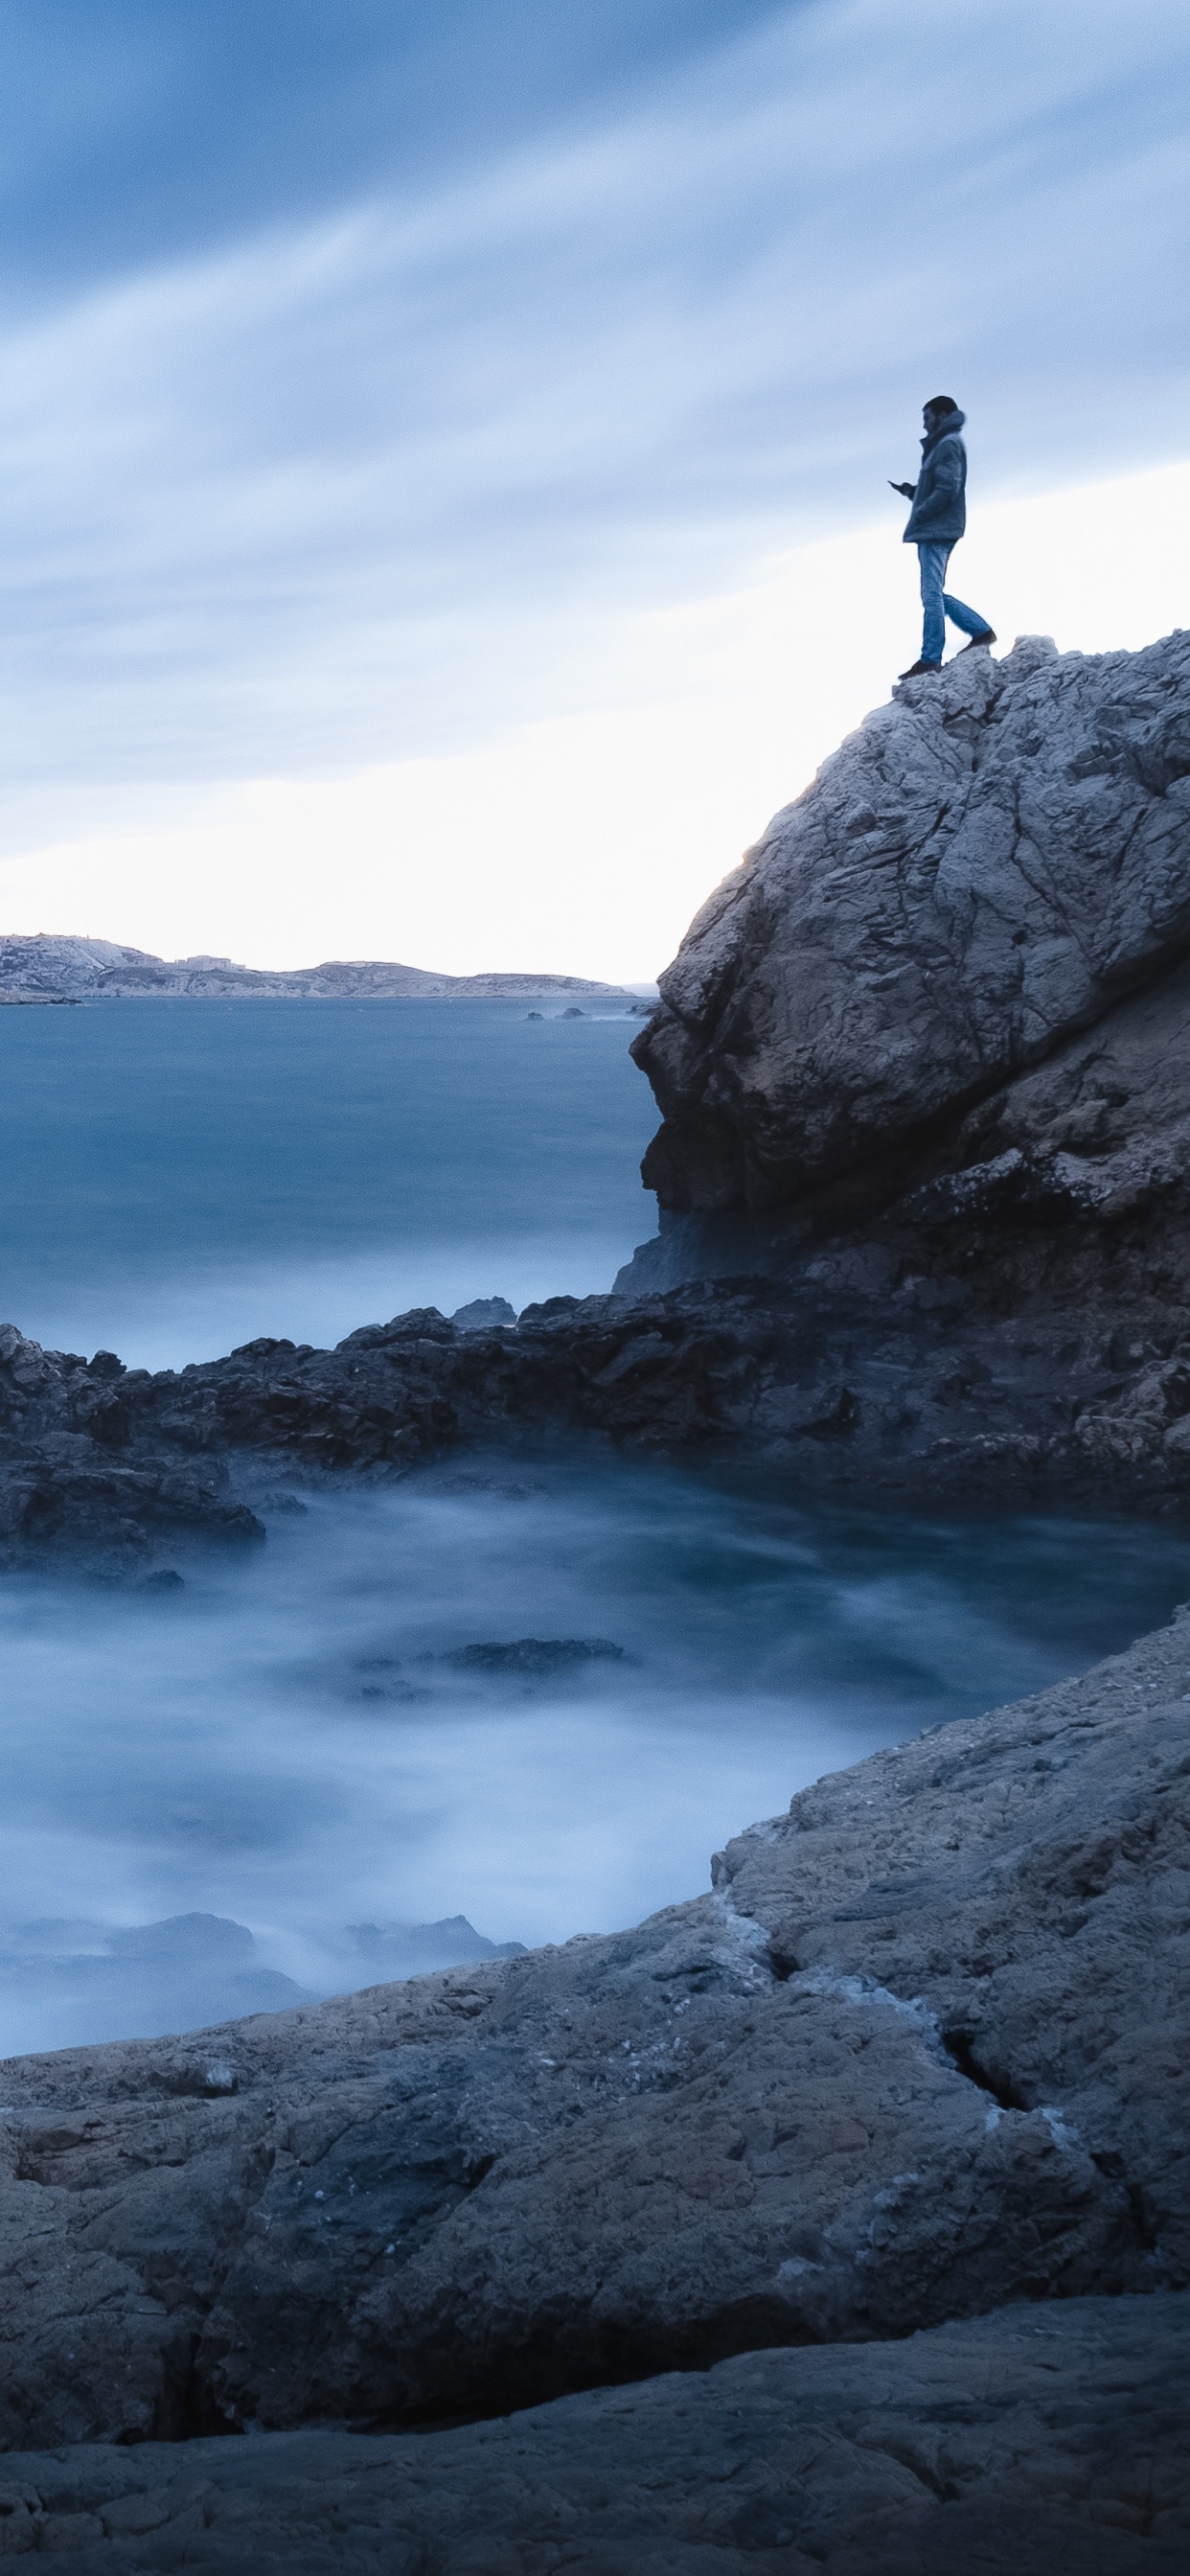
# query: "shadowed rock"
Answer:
x=533 y=1659
x=1045 y=2442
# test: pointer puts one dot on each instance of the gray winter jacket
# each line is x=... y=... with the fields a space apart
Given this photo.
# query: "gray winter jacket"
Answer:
x=939 y=513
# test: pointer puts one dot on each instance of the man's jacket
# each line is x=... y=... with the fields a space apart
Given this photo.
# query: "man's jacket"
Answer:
x=939 y=513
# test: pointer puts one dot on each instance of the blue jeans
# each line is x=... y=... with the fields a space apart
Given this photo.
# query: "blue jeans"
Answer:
x=938 y=604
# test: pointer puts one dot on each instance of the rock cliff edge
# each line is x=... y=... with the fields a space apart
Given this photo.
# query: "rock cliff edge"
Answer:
x=992 y=868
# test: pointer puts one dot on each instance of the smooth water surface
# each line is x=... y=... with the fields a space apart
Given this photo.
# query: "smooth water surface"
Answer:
x=285 y=1742
x=179 y=1176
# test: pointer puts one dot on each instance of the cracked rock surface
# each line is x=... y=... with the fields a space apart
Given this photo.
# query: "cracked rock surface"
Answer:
x=990 y=864
x=1050 y=2441
x=922 y=2053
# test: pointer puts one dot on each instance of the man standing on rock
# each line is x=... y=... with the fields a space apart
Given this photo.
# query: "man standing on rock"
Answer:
x=936 y=522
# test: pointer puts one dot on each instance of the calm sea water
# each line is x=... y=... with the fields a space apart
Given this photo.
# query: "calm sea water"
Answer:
x=305 y=1744
x=180 y=1176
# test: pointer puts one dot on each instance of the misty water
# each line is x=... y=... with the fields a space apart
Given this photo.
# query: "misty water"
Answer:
x=271 y=1771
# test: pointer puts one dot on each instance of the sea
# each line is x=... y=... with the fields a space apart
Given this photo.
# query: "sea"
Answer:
x=519 y=1695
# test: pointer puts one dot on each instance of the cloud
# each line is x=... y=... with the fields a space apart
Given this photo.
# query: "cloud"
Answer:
x=152 y=128
x=584 y=842
x=352 y=470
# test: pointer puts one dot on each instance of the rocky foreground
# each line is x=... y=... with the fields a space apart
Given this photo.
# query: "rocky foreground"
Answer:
x=916 y=2067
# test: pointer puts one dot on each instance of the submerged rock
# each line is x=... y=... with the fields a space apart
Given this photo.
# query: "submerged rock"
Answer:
x=533 y=1658
x=72 y=1980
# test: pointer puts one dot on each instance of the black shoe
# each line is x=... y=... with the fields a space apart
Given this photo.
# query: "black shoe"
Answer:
x=916 y=668
x=988 y=637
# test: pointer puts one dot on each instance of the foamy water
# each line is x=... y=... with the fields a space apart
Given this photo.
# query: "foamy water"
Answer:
x=283 y=1744
x=286 y=1742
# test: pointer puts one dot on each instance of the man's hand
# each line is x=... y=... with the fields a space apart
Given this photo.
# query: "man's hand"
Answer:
x=909 y=489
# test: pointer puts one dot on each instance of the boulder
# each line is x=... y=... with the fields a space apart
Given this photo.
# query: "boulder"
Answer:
x=989 y=866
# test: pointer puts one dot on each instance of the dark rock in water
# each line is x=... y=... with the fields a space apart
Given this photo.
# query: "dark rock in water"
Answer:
x=1038 y=2442
x=534 y=1015
x=413 y=1949
x=482 y=1314
x=573 y=1013
x=898 y=2113
x=922 y=2054
x=281 y=1504
x=92 y=1981
x=534 y=1658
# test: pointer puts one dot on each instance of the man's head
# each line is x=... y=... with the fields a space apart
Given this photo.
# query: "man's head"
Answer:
x=936 y=409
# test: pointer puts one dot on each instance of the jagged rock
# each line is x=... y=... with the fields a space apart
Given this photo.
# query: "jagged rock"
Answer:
x=982 y=871
x=483 y=1312
x=1040 y=2442
x=996 y=1362
x=922 y=2053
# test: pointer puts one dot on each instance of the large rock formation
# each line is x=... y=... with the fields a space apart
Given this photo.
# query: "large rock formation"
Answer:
x=991 y=866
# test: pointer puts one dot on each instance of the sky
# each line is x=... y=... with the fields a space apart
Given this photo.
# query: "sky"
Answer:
x=444 y=454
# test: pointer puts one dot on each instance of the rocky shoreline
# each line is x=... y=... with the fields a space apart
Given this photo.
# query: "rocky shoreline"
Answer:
x=924 y=1171
x=918 y=2058
x=916 y=1391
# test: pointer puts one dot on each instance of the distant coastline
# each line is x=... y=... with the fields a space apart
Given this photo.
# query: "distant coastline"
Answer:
x=43 y=968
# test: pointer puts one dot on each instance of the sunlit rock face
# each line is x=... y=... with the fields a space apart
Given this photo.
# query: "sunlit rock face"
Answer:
x=991 y=867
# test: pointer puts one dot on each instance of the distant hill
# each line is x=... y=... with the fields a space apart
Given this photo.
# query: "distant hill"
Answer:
x=43 y=969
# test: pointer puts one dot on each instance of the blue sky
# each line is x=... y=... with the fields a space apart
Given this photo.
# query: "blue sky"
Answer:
x=362 y=363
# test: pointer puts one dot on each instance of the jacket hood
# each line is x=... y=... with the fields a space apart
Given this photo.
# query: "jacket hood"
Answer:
x=946 y=428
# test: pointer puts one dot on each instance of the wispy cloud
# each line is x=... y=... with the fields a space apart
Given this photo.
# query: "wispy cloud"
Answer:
x=349 y=472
